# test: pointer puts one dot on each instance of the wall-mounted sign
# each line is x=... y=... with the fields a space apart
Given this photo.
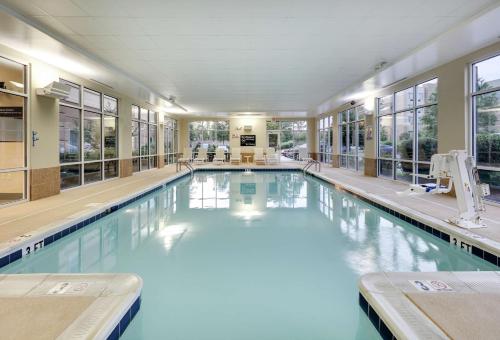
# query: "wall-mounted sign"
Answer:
x=247 y=140
x=11 y=111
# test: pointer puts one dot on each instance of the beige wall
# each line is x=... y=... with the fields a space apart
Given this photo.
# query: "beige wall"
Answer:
x=453 y=103
x=43 y=114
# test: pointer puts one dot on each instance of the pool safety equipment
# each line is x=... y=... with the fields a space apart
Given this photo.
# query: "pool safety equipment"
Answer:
x=460 y=171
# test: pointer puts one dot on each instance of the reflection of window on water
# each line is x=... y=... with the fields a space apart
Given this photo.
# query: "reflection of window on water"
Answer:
x=286 y=191
x=209 y=192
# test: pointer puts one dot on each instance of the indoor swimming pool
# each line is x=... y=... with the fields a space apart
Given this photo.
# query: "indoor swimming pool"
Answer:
x=265 y=255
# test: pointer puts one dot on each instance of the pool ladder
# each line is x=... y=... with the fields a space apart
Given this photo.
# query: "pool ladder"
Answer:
x=310 y=163
x=186 y=164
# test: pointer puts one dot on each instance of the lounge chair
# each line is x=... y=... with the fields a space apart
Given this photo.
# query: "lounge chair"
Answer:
x=272 y=156
x=219 y=157
x=187 y=156
x=235 y=156
x=201 y=157
x=258 y=156
x=304 y=155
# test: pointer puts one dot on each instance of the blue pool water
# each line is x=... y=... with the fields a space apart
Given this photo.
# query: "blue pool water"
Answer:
x=271 y=255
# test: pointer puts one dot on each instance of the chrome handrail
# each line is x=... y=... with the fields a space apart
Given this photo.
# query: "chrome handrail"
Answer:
x=310 y=163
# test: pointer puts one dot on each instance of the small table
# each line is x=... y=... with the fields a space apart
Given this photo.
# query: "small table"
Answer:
x=247 y=158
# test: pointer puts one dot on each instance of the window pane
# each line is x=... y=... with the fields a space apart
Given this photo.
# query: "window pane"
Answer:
x=343 y=139
x=361 y=138
x=487 y=74
x=69 y=134
x=385 y=105
x=110 y=105
x=427 y=92
x=136 y=166
x=404 y=171
x=385 y=168
x=153 y=163
x=152 y=140
x=144 y=139
x=92 y=172
x=352 y=135
x=74 y=93
x=404 y=99
x=152 y=117
x=135 y=139
x=92 y=136
x=92 y=99
x=11 y=186
x=352 y=115
x=493 y=179
x=70 y=176
x=135 y=112
x=144 y=114
x=110 y=169
x=360 y=112
x=351 y=162
x=427 y=132
x=110 y=143
x=385 y=136
x=12 y=78
x=404 y=135
x=11 y=131
x=144 y=163
x=487 y=109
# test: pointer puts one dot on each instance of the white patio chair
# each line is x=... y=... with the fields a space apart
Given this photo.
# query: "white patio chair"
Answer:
x=235 y=156
x=201 y=157
x=219 y=157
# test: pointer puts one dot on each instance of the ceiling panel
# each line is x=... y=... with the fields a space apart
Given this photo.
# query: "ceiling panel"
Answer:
x=224 y=55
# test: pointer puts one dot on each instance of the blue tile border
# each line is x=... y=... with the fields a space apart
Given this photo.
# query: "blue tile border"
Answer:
x=120 y=328
x=376 y=321
x=17 y=254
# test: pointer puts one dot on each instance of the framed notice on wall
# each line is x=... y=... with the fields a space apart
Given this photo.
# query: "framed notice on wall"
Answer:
x=247 y=140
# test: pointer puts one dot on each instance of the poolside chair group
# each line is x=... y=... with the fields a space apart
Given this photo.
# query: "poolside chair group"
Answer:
x=270 y=157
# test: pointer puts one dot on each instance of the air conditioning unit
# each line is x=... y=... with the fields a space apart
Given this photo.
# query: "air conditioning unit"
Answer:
x=54 y=90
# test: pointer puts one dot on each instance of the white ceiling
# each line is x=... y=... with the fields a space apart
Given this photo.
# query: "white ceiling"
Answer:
x=235 y=55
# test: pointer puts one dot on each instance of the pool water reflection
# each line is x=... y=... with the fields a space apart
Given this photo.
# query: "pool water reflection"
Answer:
x=269 y=255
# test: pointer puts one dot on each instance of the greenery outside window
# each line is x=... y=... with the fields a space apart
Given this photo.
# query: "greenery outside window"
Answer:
x=486 y=122
x=144 y=139
x=88 y=137
x=209 y=134
x=407 y=132
x=352 y=138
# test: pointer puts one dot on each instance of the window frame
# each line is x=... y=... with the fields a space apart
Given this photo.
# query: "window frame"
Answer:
x=150 y=158
x=415 y=163
x=82 y=163
x=473 y=94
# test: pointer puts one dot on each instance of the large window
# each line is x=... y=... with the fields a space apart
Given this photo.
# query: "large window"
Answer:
x=486 y=122
x=352 y=138
x=325 y=139
x=144 y=139
x=290 y=136
x=210 y=135
x=407 y=132
x=88 y=137
x=13 y=96
x=170 y=136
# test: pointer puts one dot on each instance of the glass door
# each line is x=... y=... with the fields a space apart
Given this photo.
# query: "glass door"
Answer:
x=273 y=140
